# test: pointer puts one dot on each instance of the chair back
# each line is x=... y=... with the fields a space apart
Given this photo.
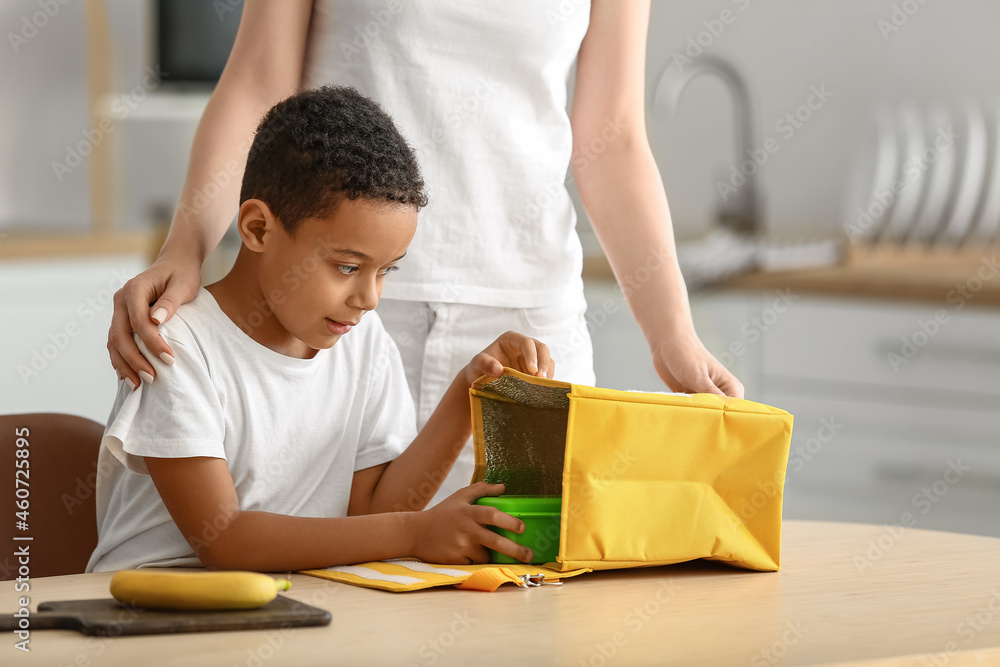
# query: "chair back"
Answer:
x=49 y=464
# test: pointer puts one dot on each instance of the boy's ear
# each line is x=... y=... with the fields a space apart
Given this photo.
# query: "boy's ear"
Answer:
x=255 y=223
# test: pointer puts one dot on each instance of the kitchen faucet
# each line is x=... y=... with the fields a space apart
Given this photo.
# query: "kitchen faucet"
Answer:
x=741 y=211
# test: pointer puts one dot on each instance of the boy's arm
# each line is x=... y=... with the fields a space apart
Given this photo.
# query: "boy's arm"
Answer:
x=411 y=480
x=201 y=498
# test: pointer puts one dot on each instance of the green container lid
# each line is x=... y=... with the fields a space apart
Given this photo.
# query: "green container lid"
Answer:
x=541 y=516
x=524 y=504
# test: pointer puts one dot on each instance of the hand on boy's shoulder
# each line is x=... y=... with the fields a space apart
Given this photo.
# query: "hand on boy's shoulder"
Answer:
x=178 y=334
x=174 y=330
x=514 y=350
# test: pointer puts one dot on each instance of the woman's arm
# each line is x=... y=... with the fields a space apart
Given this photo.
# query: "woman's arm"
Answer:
x=622 y=191
x=264 y=67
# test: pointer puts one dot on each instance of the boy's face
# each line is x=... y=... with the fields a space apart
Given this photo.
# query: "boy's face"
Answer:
x=331 y=272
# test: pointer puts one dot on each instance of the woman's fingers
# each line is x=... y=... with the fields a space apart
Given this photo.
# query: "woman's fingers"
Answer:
x=137 y=301
x=166 y=284
x=702 y=383
x=125 y=355
x=118 y=362
x=728 y=383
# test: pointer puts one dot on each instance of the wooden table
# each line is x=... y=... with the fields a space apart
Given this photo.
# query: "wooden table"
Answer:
x=847 y=594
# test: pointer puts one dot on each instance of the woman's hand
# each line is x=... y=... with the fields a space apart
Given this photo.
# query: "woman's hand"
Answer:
x=169 y=282
x=685 y=365
x=516 y=351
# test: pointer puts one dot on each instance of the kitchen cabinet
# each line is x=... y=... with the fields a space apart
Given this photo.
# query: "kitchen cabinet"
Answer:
x=913 y=391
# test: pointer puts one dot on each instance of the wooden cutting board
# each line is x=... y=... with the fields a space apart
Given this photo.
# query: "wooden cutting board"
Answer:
x=109 y=618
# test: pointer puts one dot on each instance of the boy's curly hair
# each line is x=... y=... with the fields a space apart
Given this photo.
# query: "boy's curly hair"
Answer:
x=315 y=148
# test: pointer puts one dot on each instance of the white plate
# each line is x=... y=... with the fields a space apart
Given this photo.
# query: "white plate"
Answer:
x=875 y=170
x=973 y=177
x=988 y=221
x=940 y=176
x=911 y=179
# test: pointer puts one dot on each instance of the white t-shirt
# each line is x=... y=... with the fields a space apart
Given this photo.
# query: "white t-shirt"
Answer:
x=479 y=89
x=292 y=431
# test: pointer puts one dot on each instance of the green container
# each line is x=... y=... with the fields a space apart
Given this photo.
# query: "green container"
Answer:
x=541 y=517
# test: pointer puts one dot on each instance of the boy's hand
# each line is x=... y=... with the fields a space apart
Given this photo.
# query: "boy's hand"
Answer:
x=516 y=351
x=454 y=531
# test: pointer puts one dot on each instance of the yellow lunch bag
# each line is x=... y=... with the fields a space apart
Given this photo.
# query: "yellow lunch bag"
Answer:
x=645 y=478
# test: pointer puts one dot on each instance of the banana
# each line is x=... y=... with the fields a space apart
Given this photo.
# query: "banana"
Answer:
x=195 y=591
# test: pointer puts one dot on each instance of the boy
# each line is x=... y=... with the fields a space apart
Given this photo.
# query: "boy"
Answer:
x=276 y=440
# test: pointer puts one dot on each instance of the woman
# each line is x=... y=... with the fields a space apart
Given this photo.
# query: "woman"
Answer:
x=479 y=89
